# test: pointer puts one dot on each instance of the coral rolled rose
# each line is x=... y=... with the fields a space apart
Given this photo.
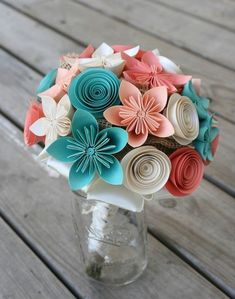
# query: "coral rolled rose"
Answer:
x=187 y=171
x=34 y=113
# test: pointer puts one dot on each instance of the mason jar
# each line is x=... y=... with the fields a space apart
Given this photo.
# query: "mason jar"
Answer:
x=112 y=241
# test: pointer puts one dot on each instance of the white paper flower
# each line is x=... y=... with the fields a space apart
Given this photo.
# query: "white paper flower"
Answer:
x=56 y=121
x=168 y=65
x=146 y=170
x=105 y=57
x=183 y=115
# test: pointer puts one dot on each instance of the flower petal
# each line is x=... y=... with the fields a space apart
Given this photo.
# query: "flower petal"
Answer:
x=40 y=127
x=127 y=90
x=136 y=140
x=48 y=81
x=83 y=119
x=63 y=126
x=118 y=137
x=151 y=59
x=65 y=149
x=114 y=174
x=79 y=179
x=103 y=50
x=169 y=66
x=49 y=107
x=112 y=115
x=87 y=52
x=63 y=107
x=165 y=129
x=51 y=136
x=160 y=96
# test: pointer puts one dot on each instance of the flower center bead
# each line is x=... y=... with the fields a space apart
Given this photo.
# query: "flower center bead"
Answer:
x=90 y=151
x=141 y=114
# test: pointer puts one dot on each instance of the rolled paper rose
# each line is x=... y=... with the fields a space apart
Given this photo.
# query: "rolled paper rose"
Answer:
x=187 y=171
x=146 y=170
x=34 y=113
x=94 y=90
x=182 y=113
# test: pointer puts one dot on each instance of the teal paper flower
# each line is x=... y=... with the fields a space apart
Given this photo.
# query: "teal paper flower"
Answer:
x=201 y=103
x=94 y=90
x=47 y=81
x=90 y=151
x=207 y=133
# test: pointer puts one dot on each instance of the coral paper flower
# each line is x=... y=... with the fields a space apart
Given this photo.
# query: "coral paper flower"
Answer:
x=34 y=113
x=207 y=138
x=56 y=121
x=105 y=57
x=150 y=73
x=62 y=81
x=140 y=114
x=90 y=151
x=201 y=103
x=187 y=171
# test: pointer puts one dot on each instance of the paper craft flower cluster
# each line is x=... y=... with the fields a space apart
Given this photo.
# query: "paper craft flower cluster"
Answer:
x=123 y=116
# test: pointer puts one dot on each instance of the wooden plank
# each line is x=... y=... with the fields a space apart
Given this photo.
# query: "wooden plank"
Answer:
x=189 y=33
x=41 y=210
x=218 y=82
x=220 y=12
x=23 y=275
x=203 y=225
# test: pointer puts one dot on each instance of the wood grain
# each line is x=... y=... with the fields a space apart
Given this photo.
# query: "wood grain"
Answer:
x=41 y=209
x=218 y=82
x=219 y=12
x=23 y=275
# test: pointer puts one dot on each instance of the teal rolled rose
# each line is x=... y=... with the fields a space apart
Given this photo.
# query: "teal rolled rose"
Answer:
x=94 y=90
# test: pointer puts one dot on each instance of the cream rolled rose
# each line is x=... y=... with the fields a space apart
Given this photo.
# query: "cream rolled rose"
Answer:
x=146 y=170
x=183 y=115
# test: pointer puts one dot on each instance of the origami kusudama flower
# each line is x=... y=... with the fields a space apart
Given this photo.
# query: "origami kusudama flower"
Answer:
x=105 y=57
x=146 y=170
x=56 y=121
x=182 y=113
x=150 y=73
x=187 y=171
x=201 y=103
x=34 y=113
x=71 y=58
x=94 y=90
x=206 y=138
x=90 y=151
x=140 y=114
x=62 y=81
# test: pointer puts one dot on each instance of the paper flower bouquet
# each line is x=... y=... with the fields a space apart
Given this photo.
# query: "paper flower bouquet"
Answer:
x=123 y=123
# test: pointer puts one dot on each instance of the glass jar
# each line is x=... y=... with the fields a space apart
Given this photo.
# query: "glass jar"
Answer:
x=112 y=241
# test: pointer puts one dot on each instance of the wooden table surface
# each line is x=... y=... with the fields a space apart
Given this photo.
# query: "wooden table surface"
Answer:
x=191 y=240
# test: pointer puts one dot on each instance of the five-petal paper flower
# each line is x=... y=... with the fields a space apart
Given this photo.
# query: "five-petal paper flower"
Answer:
x=150 y=73
x=140 y=114
x=90 y=151
x=201 y=103
x=105 y=57
x=207 y=134
x=56 y=121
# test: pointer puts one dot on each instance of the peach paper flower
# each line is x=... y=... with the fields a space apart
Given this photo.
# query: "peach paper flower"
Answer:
x=140 y=114
x=150 y=73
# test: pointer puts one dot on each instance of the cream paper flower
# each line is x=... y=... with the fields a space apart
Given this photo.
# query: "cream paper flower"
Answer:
x=146 y=170
x=182 y=113
x=105 y=57
x=56 y=121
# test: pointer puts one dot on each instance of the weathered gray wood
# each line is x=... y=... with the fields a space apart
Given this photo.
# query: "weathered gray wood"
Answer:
x=218 y=82
x=219 y=12
x=41 y=210
x=220 y=169
x=23 y=275
x=203 y=225
x=189 y=33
